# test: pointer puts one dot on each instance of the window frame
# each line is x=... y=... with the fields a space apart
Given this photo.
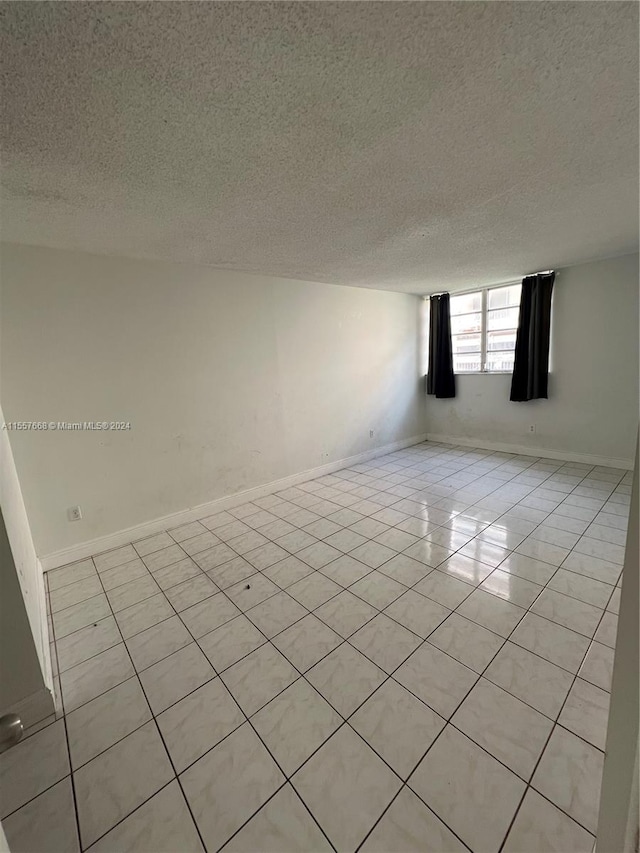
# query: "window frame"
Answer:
x=484 y=318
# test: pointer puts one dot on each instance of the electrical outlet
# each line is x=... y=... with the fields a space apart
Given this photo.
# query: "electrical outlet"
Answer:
x=370 y=433
x=74 y=513
x=532 y=427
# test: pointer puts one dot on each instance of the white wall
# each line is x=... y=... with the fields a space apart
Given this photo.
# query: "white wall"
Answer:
x=618 y=818
x=229 y=381
x=26 y=662
x=21 y=675
x=593 y=385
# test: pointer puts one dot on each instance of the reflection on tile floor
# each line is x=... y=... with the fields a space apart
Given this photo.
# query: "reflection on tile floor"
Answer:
x=411 y=654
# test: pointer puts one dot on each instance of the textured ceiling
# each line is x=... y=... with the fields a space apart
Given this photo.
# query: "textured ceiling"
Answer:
x=405 y=146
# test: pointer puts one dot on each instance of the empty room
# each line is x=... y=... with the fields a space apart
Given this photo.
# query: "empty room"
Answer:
x=319 y=399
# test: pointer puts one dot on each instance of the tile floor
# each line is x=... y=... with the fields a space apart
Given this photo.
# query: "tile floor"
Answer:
x=411 y=654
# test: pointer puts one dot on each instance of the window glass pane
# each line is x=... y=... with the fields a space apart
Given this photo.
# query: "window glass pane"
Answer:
x=503 y=318
x=502 y=340
x=466 y=323
x=500 y=360
x=466 y=343
x=466 y=303
x=466 y=362
x=504 y=297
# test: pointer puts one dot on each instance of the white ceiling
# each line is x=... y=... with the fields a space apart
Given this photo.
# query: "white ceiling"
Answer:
x=405 y=146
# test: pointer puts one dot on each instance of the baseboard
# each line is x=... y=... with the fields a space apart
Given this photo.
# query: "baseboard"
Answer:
x=123 y=537
x=564 y=455
x=33 y=709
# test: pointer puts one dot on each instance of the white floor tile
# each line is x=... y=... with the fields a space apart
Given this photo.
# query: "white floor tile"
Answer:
x=598 y=666
x=377 y=589
x=295 y=724
x=385 y=642
x=512 y=588
x=539 y=825
x=258 y=677
x=569 y=774
x=306 y=642
x=373 y=554
x=586 y=713
x=417 y=613
x=345 y=613
x=32 y=766
x=75 y=593
x=593 y=567
x=345 y=678
x=470 y=791
x=436 y=678
x=408 y=826
x=467 y=642
x=100 y=723
x=132 y=592
x=153 y=543
x=47 y=824
x=203 y=617
x=163 y=825
x=536 y=681
x=429 y=553
x=143 y=615
x=527 y=568
x=110 y=559
x=191 y=591
x=313 y=590
x=186 y=531
x=158 y=642
x=345 y=570
x=405 y=569
x=176 y=573
x=465 y=569
x=607 y=630
x=100 y=673
x=511 y=731
x=288 y=571
x=543 y=551
x=57 y=578
x=444 y=589
x=553 y=642
x=484 y=552
x=347 y=787
x=198 y=722
x=85 y=643
x=276 y=613
x=167 y=681
x=398 y=726
x=492 y=612
x=80 y=615
x=282 y=824
x=577 y=615
x=119 y=780
x=123 y=574
x=230 y=642
x=251 y=591
x=318 y=554
x=578 y=586
x=229 y=784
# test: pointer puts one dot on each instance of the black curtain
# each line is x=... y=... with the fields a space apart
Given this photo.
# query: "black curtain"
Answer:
x=531 y=368
x=440 y=379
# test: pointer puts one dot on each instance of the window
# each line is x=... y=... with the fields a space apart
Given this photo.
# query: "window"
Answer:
x=483 y=329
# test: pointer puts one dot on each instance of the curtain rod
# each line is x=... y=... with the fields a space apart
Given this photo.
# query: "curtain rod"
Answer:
x=487 y=286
